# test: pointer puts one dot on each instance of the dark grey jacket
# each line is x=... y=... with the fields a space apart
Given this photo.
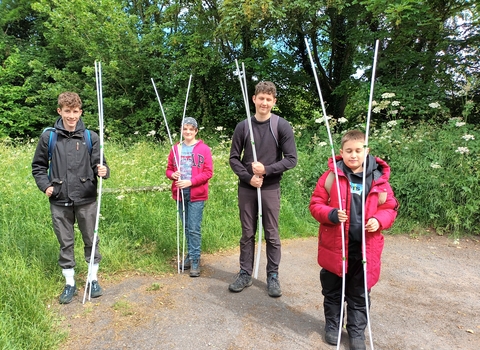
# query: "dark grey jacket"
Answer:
x=73 y=172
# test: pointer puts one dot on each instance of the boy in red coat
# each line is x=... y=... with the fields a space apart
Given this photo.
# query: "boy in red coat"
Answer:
x=380 y=213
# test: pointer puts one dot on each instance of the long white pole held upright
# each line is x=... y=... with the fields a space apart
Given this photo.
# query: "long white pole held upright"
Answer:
x=364 y=251
x=98 y=78
x=340 y=323
x=177 y=164
x=243 y=85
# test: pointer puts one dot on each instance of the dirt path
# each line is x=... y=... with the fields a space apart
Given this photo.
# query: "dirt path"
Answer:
x=428 y=297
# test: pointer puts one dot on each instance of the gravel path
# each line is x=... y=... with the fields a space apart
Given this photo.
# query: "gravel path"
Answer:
x=428 y=297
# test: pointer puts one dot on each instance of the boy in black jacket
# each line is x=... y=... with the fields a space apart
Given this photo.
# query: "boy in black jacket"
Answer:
x=69 y=179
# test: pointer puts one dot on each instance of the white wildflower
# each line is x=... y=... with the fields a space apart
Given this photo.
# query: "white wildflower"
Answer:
x=459 y=124
x=392 y=123
x=468 y=137
x=120 y=197
x=395 y=103
x=435 y=165
x=322 y=144
x=434 y=105
x=377 y=110
x=388 y=95
x=136 y=132
x=319 y=120
x=219 y=128
x=151 y=133
x=462 y=150
x=342 y=120
x=374 y=103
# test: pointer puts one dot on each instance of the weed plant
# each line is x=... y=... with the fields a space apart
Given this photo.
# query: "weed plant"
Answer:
x=435 y=169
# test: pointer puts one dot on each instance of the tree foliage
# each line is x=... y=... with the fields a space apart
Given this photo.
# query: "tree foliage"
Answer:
x=428 y=54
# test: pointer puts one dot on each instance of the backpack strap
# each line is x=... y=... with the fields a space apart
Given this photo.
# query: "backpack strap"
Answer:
x=52 y=140
x=382 y=196
x=88 y=139
x=273 y=128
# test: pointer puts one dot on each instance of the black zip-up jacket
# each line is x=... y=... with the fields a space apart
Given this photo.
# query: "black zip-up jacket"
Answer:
x=73 y=172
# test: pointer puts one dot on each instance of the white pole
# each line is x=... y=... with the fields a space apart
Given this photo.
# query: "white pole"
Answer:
x=98 y=76
x=177 y=163
x=243 y=84
x=340 y=322
x=364 y=249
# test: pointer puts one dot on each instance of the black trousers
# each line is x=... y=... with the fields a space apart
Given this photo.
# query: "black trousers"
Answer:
x=354 y=297
x=248 y=207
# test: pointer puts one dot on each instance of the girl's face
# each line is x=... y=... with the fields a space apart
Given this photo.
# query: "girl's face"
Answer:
x=353 y=154
x=189 y=132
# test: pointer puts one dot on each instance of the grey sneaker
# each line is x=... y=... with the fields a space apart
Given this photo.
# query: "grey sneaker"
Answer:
x=243 y=280
x=67 y=294
x=95 y=289
x=273 y=285
x=195 y=268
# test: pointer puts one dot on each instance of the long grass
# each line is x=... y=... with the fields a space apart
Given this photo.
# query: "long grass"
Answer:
x=434 y=181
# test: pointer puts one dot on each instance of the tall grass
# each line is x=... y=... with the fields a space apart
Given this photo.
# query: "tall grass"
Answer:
x=434 y=181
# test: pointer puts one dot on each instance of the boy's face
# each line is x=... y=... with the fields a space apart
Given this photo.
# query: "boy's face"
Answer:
x=263 y=104
x=70 y=116
x=353 y=154
x=189 y=132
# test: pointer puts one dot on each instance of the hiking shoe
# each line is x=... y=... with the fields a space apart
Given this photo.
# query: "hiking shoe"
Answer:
x=243 y=280
x=186 y=264
x=195 y=268
x=273 y=285
x=95 y=289
x=357 y=344
x=331 y=337
x=67 y=294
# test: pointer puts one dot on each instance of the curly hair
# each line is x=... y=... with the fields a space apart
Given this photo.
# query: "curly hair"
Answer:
x=69 y=99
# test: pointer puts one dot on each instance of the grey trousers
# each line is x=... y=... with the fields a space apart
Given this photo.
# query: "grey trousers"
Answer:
x=63 y=219
x=248 y=207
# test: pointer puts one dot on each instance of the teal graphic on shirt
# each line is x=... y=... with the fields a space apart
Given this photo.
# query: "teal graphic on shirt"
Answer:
x=186 y=162
x=356 y=188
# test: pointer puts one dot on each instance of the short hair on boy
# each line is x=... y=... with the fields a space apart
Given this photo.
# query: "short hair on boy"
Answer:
x=266 y=87
x=353 y=135
x=69 y=99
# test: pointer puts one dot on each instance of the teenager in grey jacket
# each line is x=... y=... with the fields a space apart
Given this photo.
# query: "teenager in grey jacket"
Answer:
x=69 y=180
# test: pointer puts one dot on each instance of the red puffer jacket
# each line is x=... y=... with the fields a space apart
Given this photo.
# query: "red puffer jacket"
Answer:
x=330 y=234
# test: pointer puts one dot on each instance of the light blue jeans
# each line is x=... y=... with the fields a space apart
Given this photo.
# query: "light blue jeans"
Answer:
x=193 y=226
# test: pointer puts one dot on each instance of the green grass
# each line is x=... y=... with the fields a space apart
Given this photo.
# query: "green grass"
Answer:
x=434 y=184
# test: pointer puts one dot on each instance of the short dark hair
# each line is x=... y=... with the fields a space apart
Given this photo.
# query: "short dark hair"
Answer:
x=69 y=99
x=266 y=87
x=353 y=135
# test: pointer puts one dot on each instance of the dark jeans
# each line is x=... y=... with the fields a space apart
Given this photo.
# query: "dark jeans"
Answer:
x=63 y=219
x=354 y=297
x=193 y=218
x=248 y=207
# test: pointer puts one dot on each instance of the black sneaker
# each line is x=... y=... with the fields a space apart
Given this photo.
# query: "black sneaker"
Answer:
x=95 y=289
x=243 y=280
x=185 y=265
x=67 y=294
x=331 y=337
x=357 y=344
x=195 y=268
x=273 y=285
